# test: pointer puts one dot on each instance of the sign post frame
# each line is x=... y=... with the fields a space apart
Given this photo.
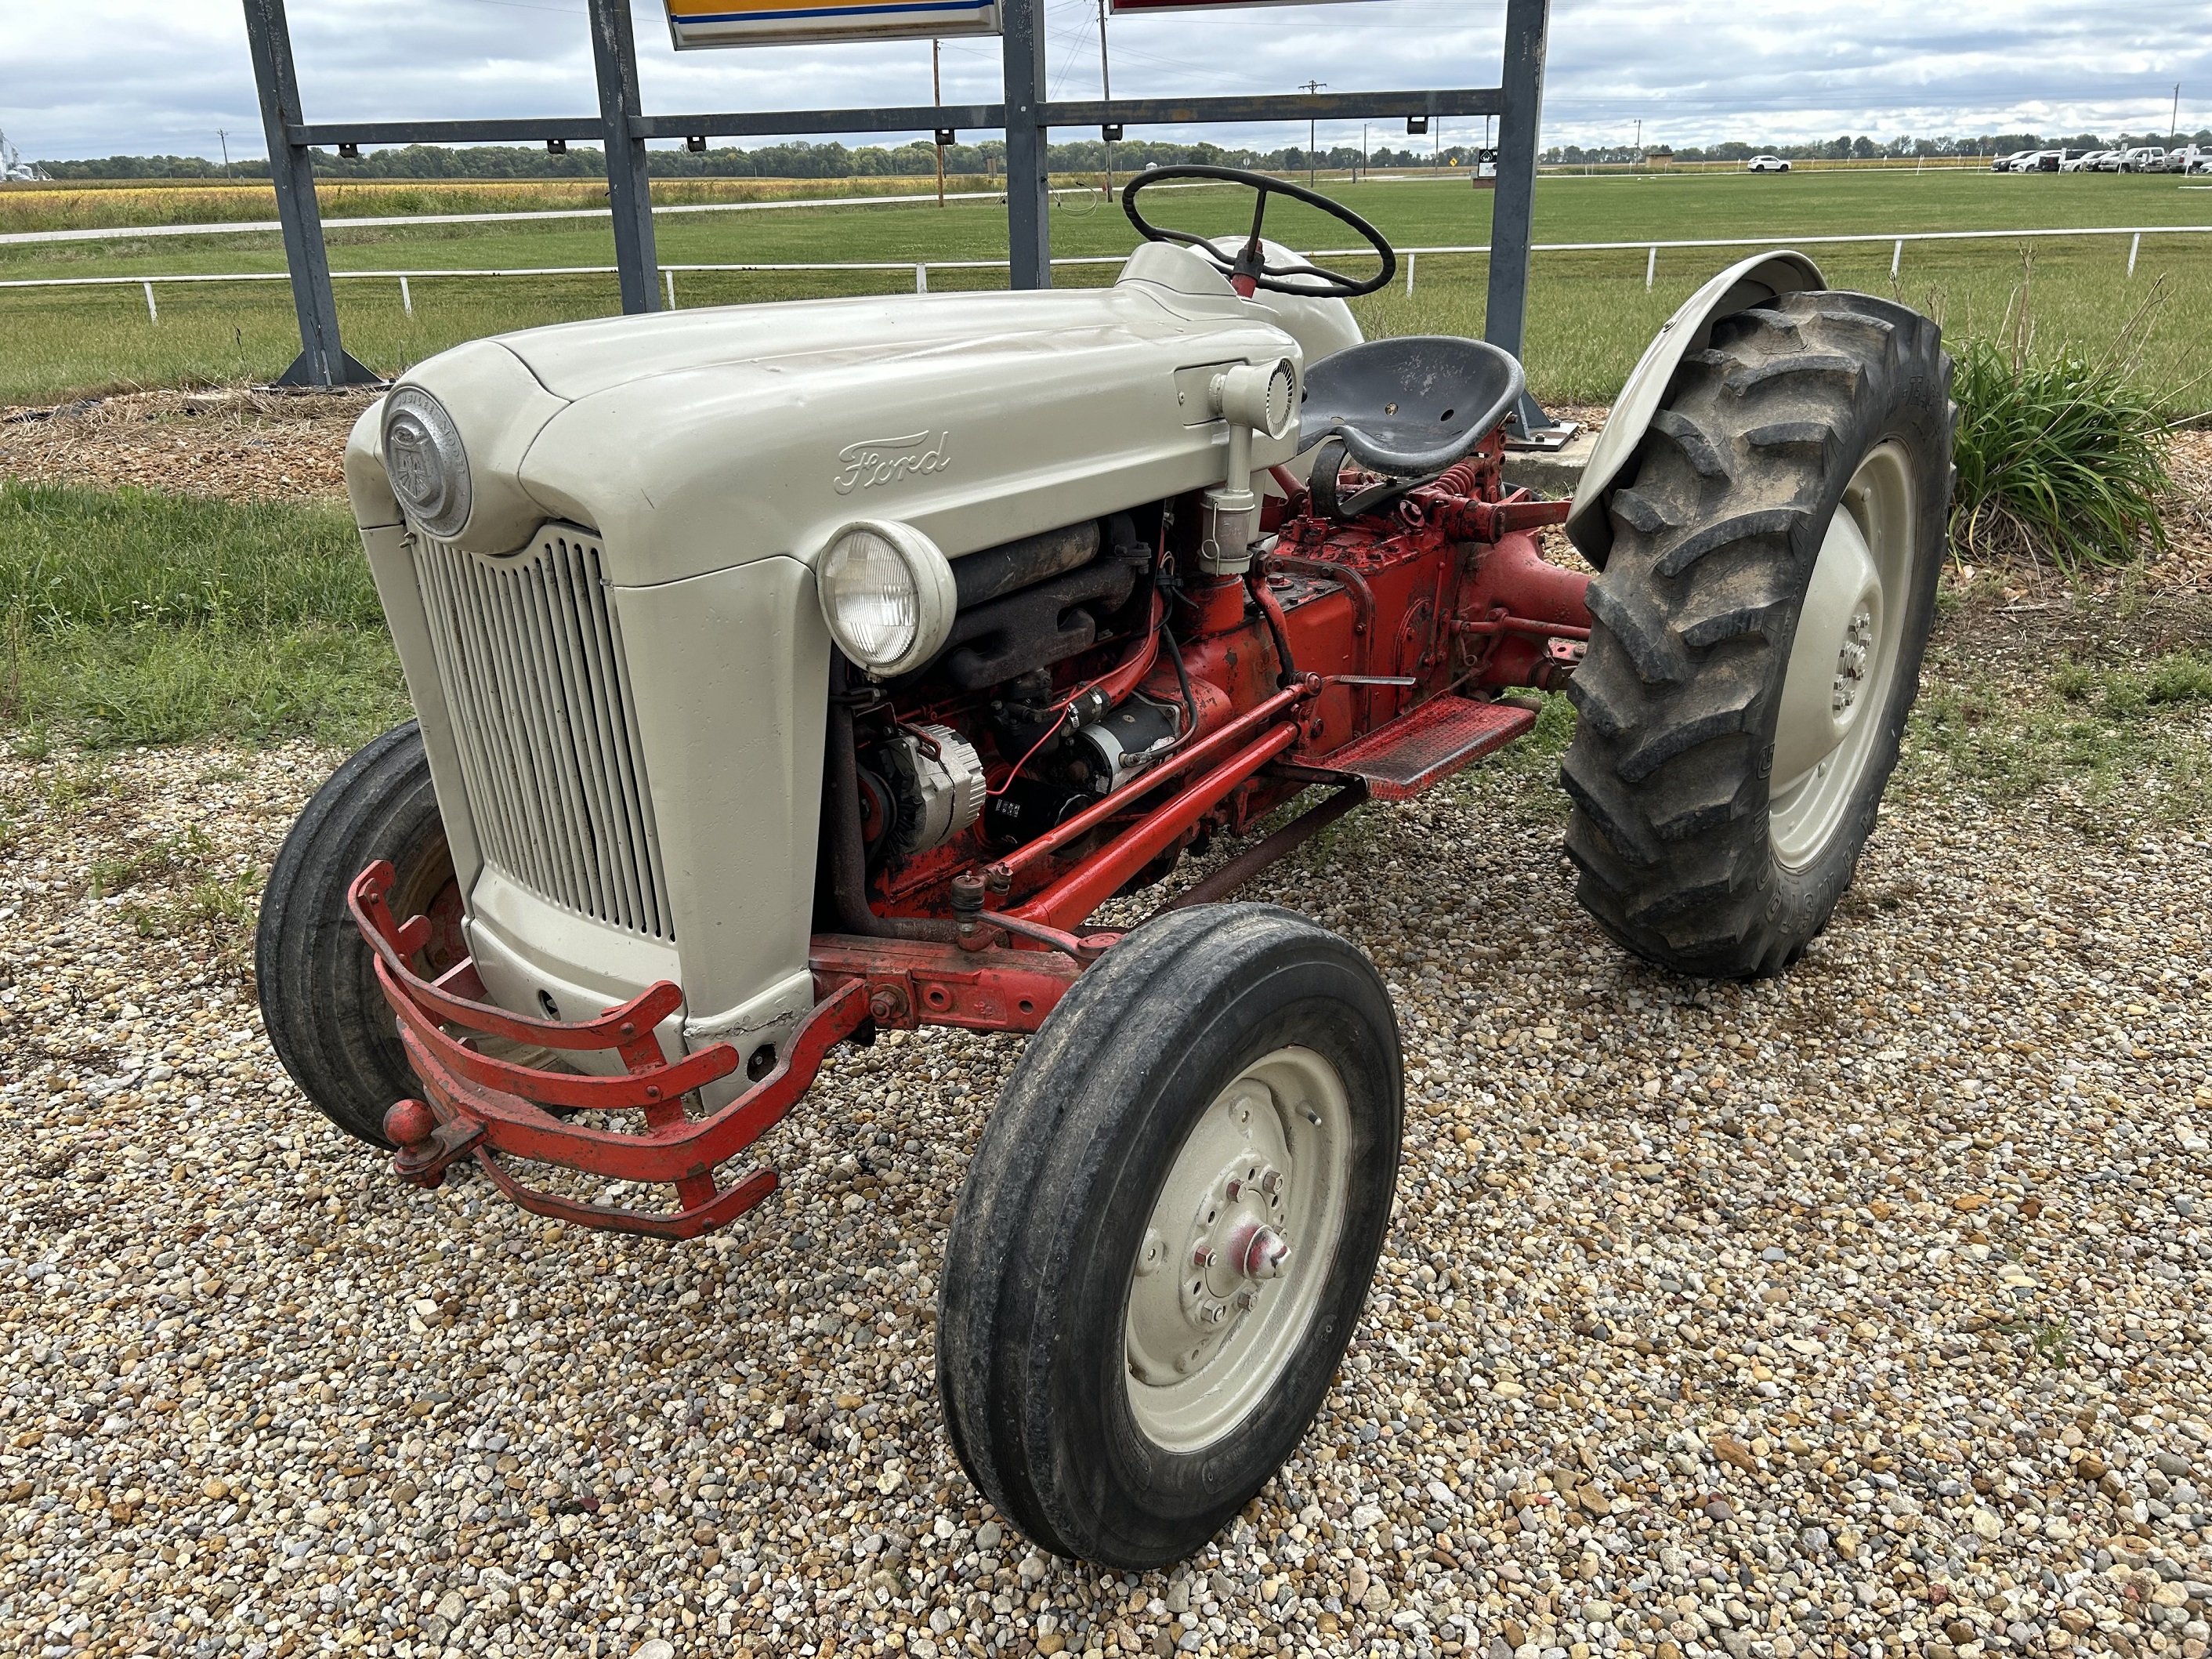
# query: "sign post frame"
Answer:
x=1025 y=117
x=322 y=360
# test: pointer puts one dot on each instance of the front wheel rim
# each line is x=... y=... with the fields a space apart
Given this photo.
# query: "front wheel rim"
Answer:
x=1237 y=1252
x=1844 y=658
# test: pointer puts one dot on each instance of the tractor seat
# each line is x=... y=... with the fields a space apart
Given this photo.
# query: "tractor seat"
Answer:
x=1410 y=406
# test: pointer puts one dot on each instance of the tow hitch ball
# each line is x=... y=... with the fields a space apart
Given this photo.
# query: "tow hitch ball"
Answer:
x=422 y=1145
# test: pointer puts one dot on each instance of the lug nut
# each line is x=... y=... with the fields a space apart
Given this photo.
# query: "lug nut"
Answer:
x=1247 y=1300
x=1235 y=1189
x=1272 y=1183
x=1203 y=1256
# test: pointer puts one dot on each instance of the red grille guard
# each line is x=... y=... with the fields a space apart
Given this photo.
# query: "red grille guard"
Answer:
x=490 y=1108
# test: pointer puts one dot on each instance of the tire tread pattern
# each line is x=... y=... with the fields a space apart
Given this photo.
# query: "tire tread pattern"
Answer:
x=320 y=1004
x=1003 y=1307
x=1716 y=529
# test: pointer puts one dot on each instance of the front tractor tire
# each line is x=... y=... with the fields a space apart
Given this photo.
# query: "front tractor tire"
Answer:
x=325 y=1017
x=1168 y=1233
x=1757 y=633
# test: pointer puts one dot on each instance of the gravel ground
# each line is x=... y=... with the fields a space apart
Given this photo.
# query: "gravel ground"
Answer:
x=1859 y=1311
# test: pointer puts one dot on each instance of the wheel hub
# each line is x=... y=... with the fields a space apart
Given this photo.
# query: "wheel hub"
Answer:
x=1232 y=1259
x=1237 y=1244
x=1851 y=662
x=1843 y=659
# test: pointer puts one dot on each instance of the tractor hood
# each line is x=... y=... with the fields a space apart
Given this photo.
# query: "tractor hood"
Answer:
x=618 y=658
x=693 y=441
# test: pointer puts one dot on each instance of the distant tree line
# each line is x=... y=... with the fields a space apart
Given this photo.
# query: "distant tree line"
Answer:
x=791 y=160
x=802 y=159
x=1848 y=149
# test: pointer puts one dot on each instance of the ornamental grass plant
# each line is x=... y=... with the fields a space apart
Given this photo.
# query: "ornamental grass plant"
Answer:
x=2061 y=454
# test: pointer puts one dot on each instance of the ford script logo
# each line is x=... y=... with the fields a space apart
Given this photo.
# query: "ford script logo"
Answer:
x=875 y=461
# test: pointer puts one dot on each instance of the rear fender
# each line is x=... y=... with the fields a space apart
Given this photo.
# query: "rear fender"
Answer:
x=1753 y=282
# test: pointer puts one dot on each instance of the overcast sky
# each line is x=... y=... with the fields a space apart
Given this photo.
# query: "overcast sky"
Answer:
x=98 y=77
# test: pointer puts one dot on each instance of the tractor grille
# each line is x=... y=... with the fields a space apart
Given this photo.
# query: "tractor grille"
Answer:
x=530 y=658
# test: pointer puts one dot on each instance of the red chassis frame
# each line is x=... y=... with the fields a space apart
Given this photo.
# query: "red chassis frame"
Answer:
x=1468 y=565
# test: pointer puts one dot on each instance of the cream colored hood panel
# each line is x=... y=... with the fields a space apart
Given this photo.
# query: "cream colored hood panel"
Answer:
x=701 y=440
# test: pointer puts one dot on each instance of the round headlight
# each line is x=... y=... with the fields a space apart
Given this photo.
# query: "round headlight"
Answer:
x=888 y=595
x=425 y=461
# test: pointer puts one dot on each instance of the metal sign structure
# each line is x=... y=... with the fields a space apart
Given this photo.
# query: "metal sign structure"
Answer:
x=1139 y=8
x=1025 y=117
x=696 y=23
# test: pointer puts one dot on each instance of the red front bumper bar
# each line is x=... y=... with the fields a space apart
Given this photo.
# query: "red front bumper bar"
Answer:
x=494 y=1109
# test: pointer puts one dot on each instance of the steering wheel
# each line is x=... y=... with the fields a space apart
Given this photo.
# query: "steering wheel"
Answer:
x=1249 y=270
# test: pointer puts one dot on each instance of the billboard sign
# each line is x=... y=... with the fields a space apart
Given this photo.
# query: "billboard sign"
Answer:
x=695 y=23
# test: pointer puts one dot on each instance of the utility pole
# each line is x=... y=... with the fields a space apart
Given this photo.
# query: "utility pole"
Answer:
x=2174 y=126
x=1106 y=92
x=1311 y=86
x=1639 y=138
x=225 y=137
x=937 y=97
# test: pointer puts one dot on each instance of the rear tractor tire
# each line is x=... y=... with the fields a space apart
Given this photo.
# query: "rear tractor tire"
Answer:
x=1168 y=1233
x=1757 y=633
x=326 y=1016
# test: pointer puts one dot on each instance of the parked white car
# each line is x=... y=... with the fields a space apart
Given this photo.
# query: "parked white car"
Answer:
x=2192 y=158
x=1767 y=164
x=2095 y=161
x=2010 y=163
x=2144 y=158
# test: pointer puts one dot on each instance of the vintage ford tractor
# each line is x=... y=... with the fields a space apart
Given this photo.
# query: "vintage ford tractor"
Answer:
x=788 y=673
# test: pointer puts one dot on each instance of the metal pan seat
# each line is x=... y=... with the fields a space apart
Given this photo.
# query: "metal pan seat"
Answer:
x=1409 y=407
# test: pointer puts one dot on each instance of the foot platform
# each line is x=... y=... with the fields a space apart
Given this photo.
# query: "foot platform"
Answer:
x=1420 y=749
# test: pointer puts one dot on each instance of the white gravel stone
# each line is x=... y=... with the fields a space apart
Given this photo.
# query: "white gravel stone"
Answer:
x=1861 y=1311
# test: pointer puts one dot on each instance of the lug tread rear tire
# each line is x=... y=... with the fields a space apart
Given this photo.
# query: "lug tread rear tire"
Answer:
x=1715 y=535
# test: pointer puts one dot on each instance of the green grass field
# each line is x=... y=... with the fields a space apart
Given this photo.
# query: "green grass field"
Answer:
x=1591 y=314
x=129 y=616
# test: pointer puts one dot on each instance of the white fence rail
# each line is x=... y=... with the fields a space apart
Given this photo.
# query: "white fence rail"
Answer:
x=922 y=268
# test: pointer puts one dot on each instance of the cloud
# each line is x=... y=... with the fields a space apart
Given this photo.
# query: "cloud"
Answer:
x=141 y=77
